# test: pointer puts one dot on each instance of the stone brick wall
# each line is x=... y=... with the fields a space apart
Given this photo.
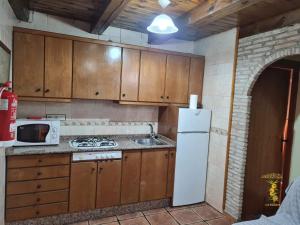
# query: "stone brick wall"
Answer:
x=255 y=53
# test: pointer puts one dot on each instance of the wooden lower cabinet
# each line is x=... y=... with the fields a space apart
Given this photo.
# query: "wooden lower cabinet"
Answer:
x=108 y=183
x=154 y=174
x=171 y=173
x=131 y=173
x=83 y=186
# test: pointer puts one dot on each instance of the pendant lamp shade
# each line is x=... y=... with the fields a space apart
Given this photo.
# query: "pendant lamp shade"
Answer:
x=162 y=24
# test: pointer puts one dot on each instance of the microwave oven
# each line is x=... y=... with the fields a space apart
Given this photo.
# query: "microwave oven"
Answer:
x=37 y=132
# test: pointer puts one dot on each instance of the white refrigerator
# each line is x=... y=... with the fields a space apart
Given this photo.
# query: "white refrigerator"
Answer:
x=191 y=156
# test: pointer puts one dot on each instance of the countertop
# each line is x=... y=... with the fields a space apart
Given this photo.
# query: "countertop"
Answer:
x=125 y=142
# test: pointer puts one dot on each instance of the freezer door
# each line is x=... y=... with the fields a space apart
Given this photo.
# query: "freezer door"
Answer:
x=194 y=120
x=190 y=168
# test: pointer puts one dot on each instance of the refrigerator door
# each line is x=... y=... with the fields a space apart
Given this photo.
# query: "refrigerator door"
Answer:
x=194 y=120
x=190 y=170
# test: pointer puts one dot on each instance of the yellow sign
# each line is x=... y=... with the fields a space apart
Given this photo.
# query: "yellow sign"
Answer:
x=273 y=180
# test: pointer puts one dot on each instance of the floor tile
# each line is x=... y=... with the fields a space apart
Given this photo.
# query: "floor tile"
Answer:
x=207 y=212
x=154 y=211
x=130 y=216
x=171 y=209
x=81 y=223
x=161 y=219
x=135 y=221
x=220 y=221
x=186 y=216
x=103 y=220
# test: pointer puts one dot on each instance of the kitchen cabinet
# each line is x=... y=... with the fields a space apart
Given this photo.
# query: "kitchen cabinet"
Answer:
x=58 y=68
x=28 y=64
x=131 y=173
x=177 y=79
x=196 y=77
x=130 y=74
x=154 y=174
x=171 y=172
x=83 y=186
x=108 y=183
x=96 y=71
x=152 y=76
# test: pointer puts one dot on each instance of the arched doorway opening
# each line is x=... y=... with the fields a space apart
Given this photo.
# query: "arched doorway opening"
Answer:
x=272 y=114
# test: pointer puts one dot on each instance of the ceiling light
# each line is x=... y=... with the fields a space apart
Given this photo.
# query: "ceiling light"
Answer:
x=162 y=24
x=164 y=3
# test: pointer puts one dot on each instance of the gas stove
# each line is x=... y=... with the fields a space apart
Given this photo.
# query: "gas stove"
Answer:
x=86 y=143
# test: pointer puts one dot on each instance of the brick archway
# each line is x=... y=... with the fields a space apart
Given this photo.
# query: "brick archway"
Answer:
x=255 y=54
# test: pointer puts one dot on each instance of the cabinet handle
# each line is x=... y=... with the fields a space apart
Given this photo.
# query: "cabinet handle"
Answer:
x=38 y=200
x=125 y=157
x=39 y=173
x=123 y=95
x=40 y=161
x=38 y=186
x=97 y=93
x=172 y=154
x=37 y=90
x=167 y=155
x=167 y=97
x=162 y=97
x=93 y=170
x=47 y=90
x=100 y=169
x=37 y=213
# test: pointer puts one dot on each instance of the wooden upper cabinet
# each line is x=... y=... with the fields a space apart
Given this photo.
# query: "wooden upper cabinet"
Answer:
x=108 y=183
x=152 y=77
x=177 y=79
x=28 y=64
x=196 y=77
x=130 y=74
x=154 y=174
x=96 y=71
x=58 y=67
x=131 y=171
x=83 y=186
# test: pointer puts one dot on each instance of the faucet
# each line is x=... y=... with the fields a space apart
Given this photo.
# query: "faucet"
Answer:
x=152 y=134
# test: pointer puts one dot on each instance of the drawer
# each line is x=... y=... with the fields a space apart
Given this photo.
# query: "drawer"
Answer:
x=23 y=187
x=15 y=201
x=36 y=211
x=37 y=160
x=38 y=173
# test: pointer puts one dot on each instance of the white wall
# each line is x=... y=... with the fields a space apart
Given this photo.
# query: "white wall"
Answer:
x=295 y=163
x=219 y=53
x=41 y=21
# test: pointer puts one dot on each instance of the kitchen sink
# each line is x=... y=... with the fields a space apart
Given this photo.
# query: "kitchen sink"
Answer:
x=149 y=141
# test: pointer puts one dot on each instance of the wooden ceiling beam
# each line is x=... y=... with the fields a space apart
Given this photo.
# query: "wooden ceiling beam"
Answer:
x=20 y=8
x=113 y=9
x=279 y=21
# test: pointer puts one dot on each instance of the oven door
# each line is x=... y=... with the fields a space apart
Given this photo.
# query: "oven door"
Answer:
x=32 y=134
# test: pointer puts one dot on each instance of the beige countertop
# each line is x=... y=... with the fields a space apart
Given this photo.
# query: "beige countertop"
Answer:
x=125 y=142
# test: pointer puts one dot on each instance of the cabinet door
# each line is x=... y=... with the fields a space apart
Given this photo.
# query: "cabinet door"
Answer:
x=97 y=71
x=83 y=186
x=28 y=64
x=130 y=74
x=131 y=172
x=154 y=173
x=108 y=183
x=196 y=77
x=152 y=77
x=171 y=171
x=177 y=79
x=58 y=67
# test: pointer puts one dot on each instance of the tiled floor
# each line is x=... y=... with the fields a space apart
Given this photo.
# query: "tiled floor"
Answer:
x=196 y=215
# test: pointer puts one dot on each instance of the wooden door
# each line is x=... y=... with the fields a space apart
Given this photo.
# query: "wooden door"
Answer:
x=267 y=119
x=177 y=79
x=196 y=77
x=96 y=71
x=154 y=174
x=58 y=67
x=28 y=64
x=108 y=183
x=130 y=74
x=152 y=77
x=83 y=186
x=131 y=173
x=171 y=172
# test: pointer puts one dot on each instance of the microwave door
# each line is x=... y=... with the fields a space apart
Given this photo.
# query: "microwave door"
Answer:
x=33 y=133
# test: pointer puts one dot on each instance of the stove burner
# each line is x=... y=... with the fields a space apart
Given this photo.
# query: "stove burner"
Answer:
x=93 y=143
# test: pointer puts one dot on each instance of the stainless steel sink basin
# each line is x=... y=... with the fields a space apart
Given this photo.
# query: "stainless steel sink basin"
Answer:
x=149 y=141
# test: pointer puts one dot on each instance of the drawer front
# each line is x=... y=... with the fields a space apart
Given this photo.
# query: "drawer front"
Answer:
x=36 y=211
x=15 y=201
x=37 y=160
x=37 y=173
x=23 y=187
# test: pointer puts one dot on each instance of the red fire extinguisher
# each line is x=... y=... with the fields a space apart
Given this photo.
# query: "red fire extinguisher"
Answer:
x=8 y=113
